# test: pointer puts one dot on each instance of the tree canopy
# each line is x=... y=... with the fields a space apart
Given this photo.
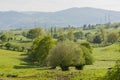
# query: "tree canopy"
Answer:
x=34 y=33
x=40 y=49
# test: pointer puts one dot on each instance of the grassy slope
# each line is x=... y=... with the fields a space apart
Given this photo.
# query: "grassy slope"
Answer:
x=9 y=58
x=105 y=57
x=109 y=53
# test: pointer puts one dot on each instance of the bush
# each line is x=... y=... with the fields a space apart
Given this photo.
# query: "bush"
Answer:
x=65 y=55
x=8 y=46
x=112 y=38
x=114 y=73
x=97 y=39
x=40 y=50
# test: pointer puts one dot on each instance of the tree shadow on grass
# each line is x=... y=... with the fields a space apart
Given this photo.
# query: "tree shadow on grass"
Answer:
x=25 y=66
x=25 y=41
x=25 y=63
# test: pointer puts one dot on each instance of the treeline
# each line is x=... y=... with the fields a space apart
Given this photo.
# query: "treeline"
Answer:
x=7 y=38
x=99 y=38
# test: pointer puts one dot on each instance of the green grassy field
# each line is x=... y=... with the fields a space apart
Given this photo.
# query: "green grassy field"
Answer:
x=13 y=67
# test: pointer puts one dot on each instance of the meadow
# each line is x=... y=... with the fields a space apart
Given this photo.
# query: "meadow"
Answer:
x=13 y=67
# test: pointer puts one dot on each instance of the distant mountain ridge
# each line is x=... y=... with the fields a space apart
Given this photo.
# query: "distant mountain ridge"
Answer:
x=73 y=16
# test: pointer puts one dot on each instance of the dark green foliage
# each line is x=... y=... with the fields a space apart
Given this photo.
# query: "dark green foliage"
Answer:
x=87 y=50
x=97 y=39
x=40 y=49
x=114 y=73
x=79 y=67
x=24 y=34
x=55 y=36
x=87 y=54
x=89 y=37
x=17 y=48
x=4 y=38
x=64 y=68
x=87 y=45
x=22 y=49
x=78 y=35
x=34 y=33
x=51 y=31
x=61 y=38
x=8 y=46
x=112 y=38
x=85 y=27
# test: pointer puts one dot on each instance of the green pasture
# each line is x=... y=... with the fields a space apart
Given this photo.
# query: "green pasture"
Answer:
x=13 y=67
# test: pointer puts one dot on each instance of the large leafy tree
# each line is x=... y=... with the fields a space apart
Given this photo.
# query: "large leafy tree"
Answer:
x=67 y=54
x=40 y=49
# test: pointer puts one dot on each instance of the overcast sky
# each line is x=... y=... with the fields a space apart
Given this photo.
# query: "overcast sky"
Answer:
x=56 y=5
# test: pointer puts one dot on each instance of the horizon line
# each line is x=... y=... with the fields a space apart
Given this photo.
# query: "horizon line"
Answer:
x=56 y=10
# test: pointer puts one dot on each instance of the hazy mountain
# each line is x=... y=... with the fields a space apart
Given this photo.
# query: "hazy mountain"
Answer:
x=72 y=16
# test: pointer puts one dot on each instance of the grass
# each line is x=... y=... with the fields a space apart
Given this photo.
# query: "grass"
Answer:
x=109 y=53
x=13 y=67
x=9 y=58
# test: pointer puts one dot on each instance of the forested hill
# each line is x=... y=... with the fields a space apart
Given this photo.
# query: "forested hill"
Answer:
x=72 y=16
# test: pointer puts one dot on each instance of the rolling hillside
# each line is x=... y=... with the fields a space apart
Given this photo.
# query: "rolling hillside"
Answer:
x=72 y=16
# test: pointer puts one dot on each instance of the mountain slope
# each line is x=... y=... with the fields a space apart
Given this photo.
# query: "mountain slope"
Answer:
x=72 y=16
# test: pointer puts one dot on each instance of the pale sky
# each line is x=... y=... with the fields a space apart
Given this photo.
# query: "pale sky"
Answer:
x=56 y=5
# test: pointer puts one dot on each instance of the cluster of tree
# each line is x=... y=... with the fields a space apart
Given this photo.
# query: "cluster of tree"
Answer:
x=5 y=38
x=46 y=52
x=70 y=35
x=33 y=33
x=99 y=37
x=88 y=27
x=102 y=37
x=9 y=46
x=114 y=25
x=67 y=54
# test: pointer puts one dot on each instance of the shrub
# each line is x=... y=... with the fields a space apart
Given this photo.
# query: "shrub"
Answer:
x=8 y=46
x=114 y=73
x=40 y=50
x=65 y=55
x=112 y=38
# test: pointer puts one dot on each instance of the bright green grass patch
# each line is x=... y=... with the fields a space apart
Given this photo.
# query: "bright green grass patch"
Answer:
x=8 y=59
x=110 y=53
x=101 y=65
